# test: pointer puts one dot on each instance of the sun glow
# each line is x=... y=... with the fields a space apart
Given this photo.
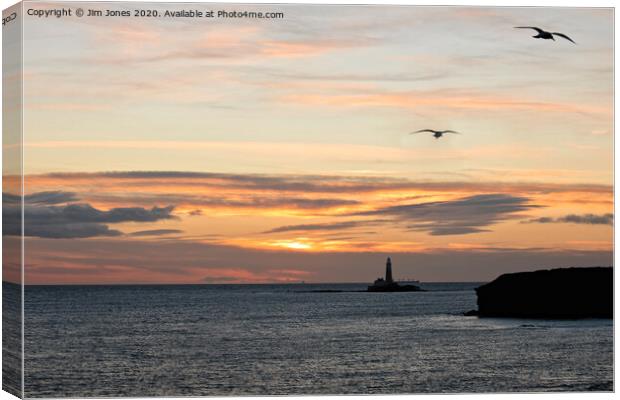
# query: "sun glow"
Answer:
x=292 y=244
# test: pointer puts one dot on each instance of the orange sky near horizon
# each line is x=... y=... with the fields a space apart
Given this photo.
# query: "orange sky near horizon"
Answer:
x=324 y=214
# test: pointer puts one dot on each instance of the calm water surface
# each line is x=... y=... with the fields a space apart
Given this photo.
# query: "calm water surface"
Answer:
x=282 y=339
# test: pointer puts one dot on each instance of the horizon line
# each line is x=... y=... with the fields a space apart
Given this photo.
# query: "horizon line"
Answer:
x=214 y=284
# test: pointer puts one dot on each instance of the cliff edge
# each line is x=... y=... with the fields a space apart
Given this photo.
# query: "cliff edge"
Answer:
x=556 y=293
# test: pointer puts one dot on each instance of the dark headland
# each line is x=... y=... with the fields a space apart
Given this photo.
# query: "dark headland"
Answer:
x=569 y=293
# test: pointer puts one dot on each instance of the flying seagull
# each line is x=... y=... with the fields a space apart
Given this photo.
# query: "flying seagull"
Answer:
x=544 y=34
x=436 y=134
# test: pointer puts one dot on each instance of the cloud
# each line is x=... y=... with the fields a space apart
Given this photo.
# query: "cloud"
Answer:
x=454 y=99
x=328 y=227
x=76 y=220
x=354 y=77
x=87 y=213
x=227 y=201
x=456 y=217
x=48 y=197
x=156 y=232
x=299 y=183
x=240 y=45
x=263 y=182
x=222 y=279
x=315 y=227
x=312 y=195
x=590 y=219
x=67 y=230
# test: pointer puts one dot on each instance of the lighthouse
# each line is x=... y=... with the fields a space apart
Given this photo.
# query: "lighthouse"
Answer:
x=388 y=271
x=388 y=284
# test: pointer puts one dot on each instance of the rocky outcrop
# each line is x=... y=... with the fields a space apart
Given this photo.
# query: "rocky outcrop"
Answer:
x=555 y=293
x=394 y=287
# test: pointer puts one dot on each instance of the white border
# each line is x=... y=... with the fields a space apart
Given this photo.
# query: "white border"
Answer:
x=504 y=3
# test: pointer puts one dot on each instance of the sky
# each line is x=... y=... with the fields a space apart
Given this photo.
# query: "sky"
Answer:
x=161 y=150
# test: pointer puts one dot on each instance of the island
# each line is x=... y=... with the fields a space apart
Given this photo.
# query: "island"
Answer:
x=389 y=284
x=562 y=293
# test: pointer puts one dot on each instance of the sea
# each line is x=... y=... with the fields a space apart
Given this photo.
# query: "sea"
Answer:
x=297 y=339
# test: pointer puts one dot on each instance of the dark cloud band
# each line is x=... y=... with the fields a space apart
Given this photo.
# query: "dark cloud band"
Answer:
x=589 y=219
x=76 y=220
x=456 y=217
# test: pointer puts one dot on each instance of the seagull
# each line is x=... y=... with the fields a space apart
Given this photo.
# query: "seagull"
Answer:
x=436 y=134
x=544 y=34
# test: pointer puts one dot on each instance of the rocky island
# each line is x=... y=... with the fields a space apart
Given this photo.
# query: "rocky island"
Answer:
x=389 y=285
x=557 y=293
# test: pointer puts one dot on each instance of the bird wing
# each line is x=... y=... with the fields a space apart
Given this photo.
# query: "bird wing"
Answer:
x=424 y=130
x=448 y=131
x=563 y=35
x=530 y=27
